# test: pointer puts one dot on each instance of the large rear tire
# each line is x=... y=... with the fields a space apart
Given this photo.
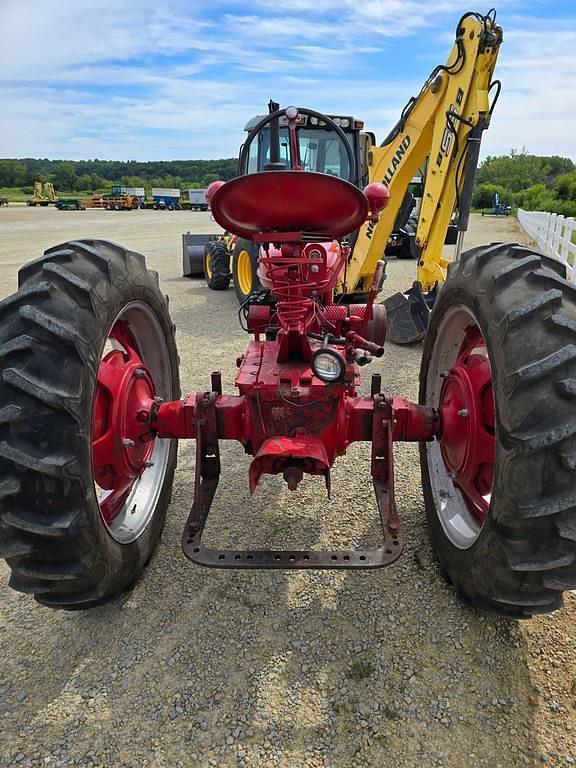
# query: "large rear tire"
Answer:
x=499 y=360
x=244 y=269
x=216 y=265
x=86 y=316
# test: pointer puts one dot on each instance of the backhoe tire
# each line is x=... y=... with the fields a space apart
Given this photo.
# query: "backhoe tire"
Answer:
x=216 y=265
x=53 y=333
x=517 y=559
x=244 y=269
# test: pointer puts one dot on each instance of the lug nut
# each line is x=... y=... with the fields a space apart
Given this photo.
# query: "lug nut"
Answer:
x=444 y=374
x=142 y=415
x=463 y=412
x=127 y=442
x=148 y=464
x=453 y=474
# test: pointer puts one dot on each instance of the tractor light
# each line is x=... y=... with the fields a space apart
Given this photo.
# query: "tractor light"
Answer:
x=344 y=122
x=313 y=121
x=328 y=365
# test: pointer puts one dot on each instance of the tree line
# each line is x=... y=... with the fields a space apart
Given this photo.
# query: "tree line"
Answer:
x=100 y=175
x=532 y=182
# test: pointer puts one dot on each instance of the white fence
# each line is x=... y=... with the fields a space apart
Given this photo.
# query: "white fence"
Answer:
x=554 y=235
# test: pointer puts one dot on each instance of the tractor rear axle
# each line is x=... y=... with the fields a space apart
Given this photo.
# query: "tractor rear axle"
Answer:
x=211 y=416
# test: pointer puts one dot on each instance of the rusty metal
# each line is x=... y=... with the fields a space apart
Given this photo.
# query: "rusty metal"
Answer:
x=207 y=474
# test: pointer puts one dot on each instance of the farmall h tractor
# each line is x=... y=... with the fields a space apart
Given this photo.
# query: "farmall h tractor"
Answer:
x=90 y=408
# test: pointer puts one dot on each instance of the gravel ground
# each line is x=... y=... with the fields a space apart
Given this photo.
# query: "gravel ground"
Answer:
x=197 y=667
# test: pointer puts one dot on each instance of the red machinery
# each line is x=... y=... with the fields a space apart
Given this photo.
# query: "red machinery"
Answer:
x=298 y=406
x=90 y=409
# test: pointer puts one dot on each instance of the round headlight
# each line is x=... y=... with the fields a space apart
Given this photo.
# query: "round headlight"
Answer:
x=328 y=365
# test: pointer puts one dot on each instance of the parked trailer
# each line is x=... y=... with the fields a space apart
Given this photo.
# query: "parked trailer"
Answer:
x=197 y=200
x=165 y=199
x=120 y=203
x=70 y=204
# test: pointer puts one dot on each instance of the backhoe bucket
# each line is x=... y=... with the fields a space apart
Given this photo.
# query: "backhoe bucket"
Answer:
x=408 y=315
x=193 y=254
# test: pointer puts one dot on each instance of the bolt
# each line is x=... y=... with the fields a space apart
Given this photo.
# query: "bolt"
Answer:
x=444 y=374
x=142 y=415
x=314 y=268
x=127 y=442
x=139 y=373
x=148 y=464
x=463 y=412
x=453 y=474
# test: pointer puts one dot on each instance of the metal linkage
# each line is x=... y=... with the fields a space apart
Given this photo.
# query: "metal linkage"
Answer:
x=206 y=481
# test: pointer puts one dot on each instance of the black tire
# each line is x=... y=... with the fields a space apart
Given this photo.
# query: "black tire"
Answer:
x=170 y=206
x=216 y=265
x=524 y=555
x=245 y=254
x=117 y=207
x=52 y=337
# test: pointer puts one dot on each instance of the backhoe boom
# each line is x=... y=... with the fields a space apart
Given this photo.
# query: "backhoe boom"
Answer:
x=436 y=129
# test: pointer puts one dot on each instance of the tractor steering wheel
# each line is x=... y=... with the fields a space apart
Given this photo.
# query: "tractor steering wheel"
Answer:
x=352 y=178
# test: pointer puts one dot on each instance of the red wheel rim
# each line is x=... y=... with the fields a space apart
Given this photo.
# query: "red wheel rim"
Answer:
x=468 y=424
x=122 y=442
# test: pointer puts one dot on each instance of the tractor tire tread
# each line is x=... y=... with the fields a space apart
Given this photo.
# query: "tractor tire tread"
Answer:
x=219 y=279
x=58 y=551
x=523 y=557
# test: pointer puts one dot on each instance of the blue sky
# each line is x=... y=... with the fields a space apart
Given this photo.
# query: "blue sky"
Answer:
x=168 y=79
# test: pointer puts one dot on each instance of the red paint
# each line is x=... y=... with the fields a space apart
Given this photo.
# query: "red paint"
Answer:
x=378 y=198
x=285 y=416
x=289 y=201
x=468 y=424
x=122 y=440
x=212 y=189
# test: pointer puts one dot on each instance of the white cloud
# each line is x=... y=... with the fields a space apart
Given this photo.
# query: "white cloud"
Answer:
x=146 y=80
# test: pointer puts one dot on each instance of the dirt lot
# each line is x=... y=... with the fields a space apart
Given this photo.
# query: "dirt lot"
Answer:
x=221 y=668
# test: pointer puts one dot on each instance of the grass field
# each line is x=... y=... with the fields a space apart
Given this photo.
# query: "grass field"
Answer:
x=17 y=195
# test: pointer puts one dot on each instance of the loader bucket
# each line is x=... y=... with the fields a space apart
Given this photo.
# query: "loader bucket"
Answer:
x=408 y=315
x=193 y=254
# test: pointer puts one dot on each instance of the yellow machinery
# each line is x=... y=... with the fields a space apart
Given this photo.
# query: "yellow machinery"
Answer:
x=43 y=196
x=439 y=130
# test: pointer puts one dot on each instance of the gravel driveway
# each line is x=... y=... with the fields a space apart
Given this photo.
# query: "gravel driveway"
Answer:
x=198 y=667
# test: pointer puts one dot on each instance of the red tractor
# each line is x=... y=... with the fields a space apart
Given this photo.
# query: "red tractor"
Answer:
x=90 y=407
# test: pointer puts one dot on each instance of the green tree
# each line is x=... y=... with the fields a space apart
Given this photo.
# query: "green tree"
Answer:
x=484 y=195
x=12 y=173
x=65 y=177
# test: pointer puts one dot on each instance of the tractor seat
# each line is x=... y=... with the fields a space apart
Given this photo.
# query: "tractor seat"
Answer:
x=289 y=201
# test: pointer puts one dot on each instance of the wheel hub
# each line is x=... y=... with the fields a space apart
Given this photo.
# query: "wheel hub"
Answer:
x=244 y=271
x=122 y=441
x=468 y=424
